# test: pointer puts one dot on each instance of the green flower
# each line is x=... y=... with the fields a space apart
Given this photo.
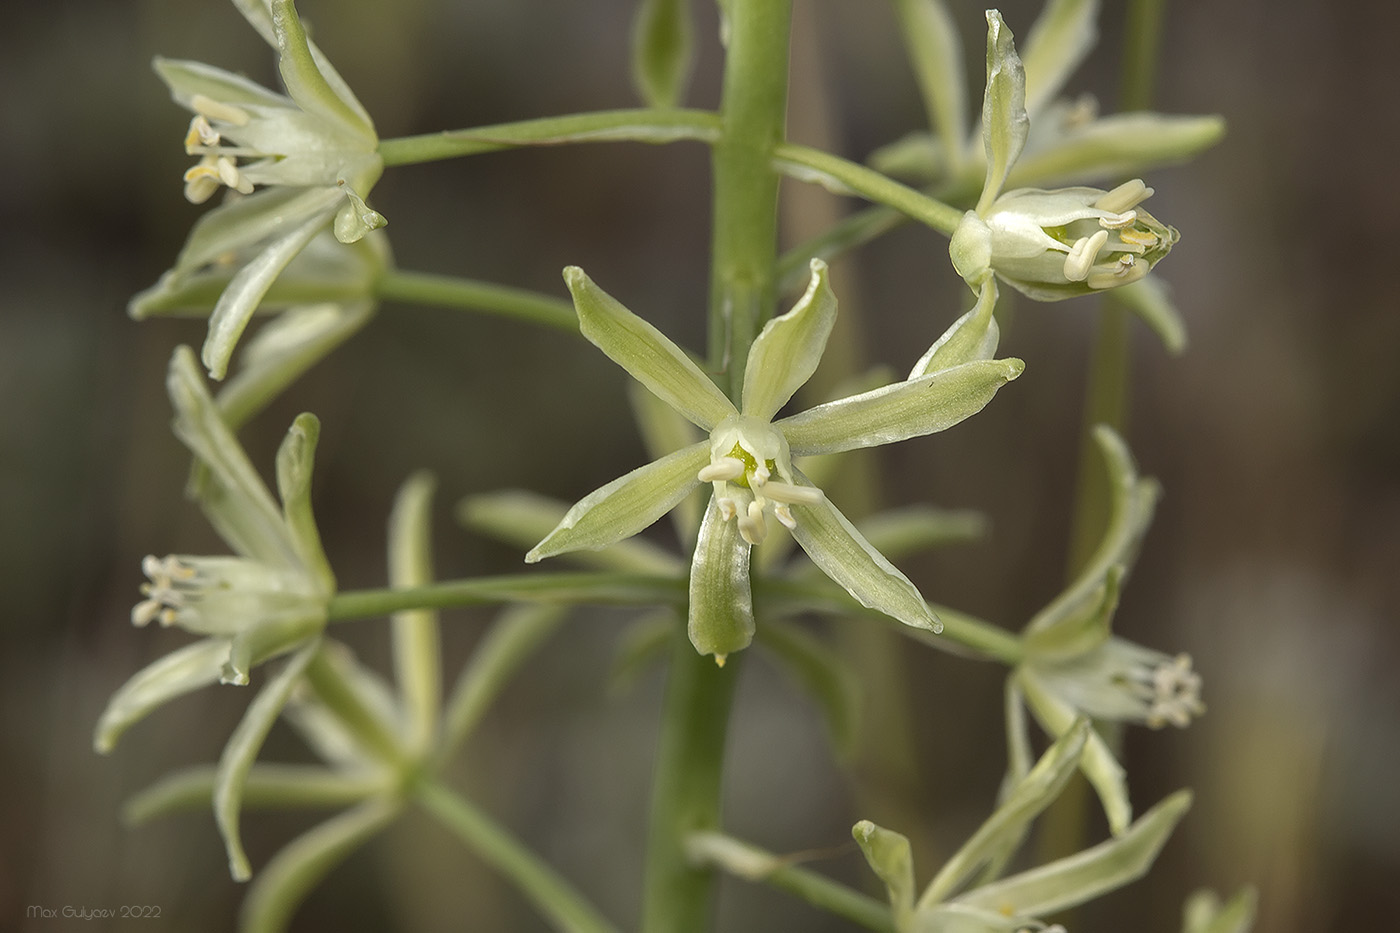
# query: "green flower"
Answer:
x=748 y=458
x=315 y=150
x=267 y=600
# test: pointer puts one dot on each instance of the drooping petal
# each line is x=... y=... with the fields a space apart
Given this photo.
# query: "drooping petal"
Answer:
x=1057 y=42
x=974 y=336
x=238 y=302
x=233 y=495
x=626 y=505
x=281 y=887
x=898 y=411
x=1004 y=120
x=238 y=225
x=176 y=674
x=295 y=461
x=311 y=81
x=787 y=351
x=721 y=595
x=242 y=750
x=1088 y=874
x=844 y=555
x=647 y=354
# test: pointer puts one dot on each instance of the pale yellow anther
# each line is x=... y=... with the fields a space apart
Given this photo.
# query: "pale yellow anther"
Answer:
x=752 y=527
x=231 y=176
x=727 y=509
x=200 y=136
x=1138 y=236
x=218 y=110
x=784 y=515
x=791 y=493
x=202 y=180
x=1126 y=196
x=722 y=469
x=1081 y=257
x=1125 y=219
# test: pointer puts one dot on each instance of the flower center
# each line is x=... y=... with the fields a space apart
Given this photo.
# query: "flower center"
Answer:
x=1172 y=692
x=751 y=470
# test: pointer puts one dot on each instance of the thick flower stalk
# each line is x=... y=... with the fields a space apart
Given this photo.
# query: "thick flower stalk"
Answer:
x=314 y=152
x=266 y=600
x=748 y=458
x=1051 y=244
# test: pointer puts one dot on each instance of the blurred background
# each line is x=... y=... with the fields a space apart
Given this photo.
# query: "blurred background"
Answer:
x=1273 y=559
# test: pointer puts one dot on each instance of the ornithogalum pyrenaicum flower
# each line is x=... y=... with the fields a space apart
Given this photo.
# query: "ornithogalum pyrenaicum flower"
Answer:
x=267 y=599
x=748 y=458
x=1052 y=244
x=1073 y=666
x=313 y=151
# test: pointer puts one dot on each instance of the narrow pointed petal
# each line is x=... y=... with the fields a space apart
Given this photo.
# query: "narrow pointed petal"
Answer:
x=626 y=505
x=663 y=430
x=1004 y=120
x=242 y=750
x=721 y=595
x=1130 y=507
x=936 y=53
x=789 y=348
x=302 y=863
x=295 y=461
x=1088 y=874
x=236 y=226
x=1057 y=43
x=1027 y=800
x=238 y=302
x=646 y=353
x=187 y=79
x=176 y=674
x=310 y=81
x=899 y=411
x=891 y=858
x=520 y=519
x=232 y=493
x=844 y=555
x=974 y=336
x=1123 y=145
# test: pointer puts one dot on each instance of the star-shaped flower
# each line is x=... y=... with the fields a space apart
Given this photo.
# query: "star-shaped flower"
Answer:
x=267 y=600
x=314 y=148
x=748 y=458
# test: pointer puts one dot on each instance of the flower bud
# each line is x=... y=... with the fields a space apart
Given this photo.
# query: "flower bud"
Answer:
x=1058 y=244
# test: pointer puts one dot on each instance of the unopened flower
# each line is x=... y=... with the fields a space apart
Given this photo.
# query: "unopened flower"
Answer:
x=748 y=458
x=313 y=150
x=1052 y=244
x=267 y=599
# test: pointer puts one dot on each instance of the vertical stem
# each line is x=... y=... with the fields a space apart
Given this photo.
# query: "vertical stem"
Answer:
x=745 y=243
x=743 y=290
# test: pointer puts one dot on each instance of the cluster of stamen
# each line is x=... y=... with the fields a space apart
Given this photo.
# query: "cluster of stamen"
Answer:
x=218 y=165
x=165 y=595
x=1130 y=240
x=740 y=468
x=1172 y=692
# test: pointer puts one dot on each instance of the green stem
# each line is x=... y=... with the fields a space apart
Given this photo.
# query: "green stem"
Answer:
x=554 y=897
x=823 y=168
x=342 y=699
x=753 y=108
x=754 y=864
x=645 y=126
x=616 y=589
x=448 y=291
x=686 y=787
x=1142 y=35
